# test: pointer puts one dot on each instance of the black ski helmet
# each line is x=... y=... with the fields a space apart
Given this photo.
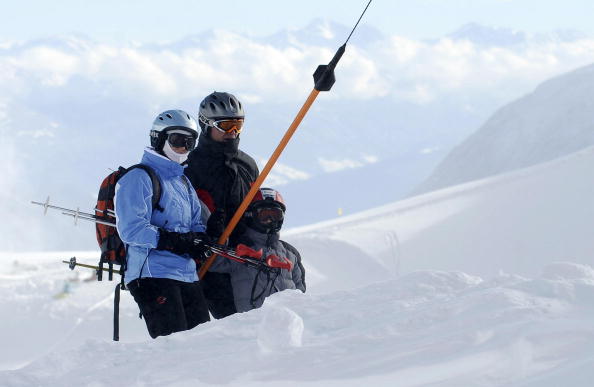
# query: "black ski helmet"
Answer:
x=219 y=106
x=266 y=198
x=170 y=120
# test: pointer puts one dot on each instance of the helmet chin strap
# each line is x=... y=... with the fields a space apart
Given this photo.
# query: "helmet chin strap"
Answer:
x=173 y=155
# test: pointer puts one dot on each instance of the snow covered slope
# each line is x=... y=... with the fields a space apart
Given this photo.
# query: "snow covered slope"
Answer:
x=460 y=287
x=514 y=222
x=555 y=120
x=424 y=329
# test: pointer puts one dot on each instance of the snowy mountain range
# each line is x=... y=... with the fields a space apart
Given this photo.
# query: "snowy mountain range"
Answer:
x=505 y=37
x=556 y=119
x=72 y=108
x=489 y=283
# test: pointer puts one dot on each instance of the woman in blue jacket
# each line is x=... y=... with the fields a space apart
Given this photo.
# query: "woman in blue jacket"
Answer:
x=160 y=272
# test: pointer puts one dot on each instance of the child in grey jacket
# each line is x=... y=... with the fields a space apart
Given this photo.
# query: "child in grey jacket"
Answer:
x=263 y=219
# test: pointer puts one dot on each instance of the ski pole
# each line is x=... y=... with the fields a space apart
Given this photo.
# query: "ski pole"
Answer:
x=242 y=254
x=72 y=264
x=77 y=214
x=323 y=81
x=46 y=205
x=91 y=218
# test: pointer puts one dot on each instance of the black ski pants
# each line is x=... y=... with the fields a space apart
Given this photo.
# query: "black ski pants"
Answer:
x=168 y=305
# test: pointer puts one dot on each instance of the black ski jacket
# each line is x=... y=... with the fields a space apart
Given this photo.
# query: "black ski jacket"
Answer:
x=222 y=176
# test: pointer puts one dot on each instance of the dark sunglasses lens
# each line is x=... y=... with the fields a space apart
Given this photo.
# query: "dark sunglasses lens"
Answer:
x=270 y=214
x=179 y=140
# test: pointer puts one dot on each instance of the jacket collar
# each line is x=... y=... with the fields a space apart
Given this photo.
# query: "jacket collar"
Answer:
x=162 y=164
x=257 y=238
x=227 y=149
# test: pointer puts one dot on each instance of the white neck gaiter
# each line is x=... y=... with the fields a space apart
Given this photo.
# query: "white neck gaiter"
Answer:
x=174 y=156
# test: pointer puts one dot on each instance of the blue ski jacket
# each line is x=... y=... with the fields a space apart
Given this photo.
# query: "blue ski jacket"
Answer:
x=138 y=224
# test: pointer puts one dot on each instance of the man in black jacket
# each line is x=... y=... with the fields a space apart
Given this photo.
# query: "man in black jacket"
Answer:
x=222 y=176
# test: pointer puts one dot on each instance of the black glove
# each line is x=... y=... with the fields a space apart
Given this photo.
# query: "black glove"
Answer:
x=216 y=223
x=193 y=243
x=201 y=249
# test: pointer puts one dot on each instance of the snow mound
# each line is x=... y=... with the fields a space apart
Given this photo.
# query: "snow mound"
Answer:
x=425 y=328
x=568 y=271
x=281 y=328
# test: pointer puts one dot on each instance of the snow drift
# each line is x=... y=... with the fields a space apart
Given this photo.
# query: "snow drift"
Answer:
x=489 y=283
x=514 y=222
x=426 y=328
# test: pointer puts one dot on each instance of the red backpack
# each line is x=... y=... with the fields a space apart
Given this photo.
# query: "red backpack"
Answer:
x=113 y=250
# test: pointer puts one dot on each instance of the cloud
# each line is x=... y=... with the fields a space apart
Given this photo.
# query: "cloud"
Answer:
x=370 y=159
x=15 y=191
x=339 y=165
x=405 y=69
x=35 y=133
x=3 y=115
x=290 y=172
x=423 y=71
x=51 y=66
x=66 y=92
x=282 y=174
x=249 y=98
x=429 y=150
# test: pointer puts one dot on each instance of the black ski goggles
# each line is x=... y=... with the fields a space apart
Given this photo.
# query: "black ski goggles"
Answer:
x=229 y=125
x=266 y=215
x=179 y=140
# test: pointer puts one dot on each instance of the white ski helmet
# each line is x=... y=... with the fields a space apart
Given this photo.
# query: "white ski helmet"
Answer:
x=170 y=122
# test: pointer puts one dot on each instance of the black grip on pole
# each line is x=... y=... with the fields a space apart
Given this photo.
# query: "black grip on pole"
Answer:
x=337 y=56
x=324 y=74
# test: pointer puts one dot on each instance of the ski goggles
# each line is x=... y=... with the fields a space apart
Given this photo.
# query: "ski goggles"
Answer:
x=178 y=140
x=229 y=125
x=269 y=214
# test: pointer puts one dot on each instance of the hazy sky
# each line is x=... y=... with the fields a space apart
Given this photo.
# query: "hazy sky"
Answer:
x=152 y=20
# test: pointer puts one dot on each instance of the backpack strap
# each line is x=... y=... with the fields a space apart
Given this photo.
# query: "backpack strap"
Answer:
x=154 y=180
x=156 y=183
x=116 y=313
